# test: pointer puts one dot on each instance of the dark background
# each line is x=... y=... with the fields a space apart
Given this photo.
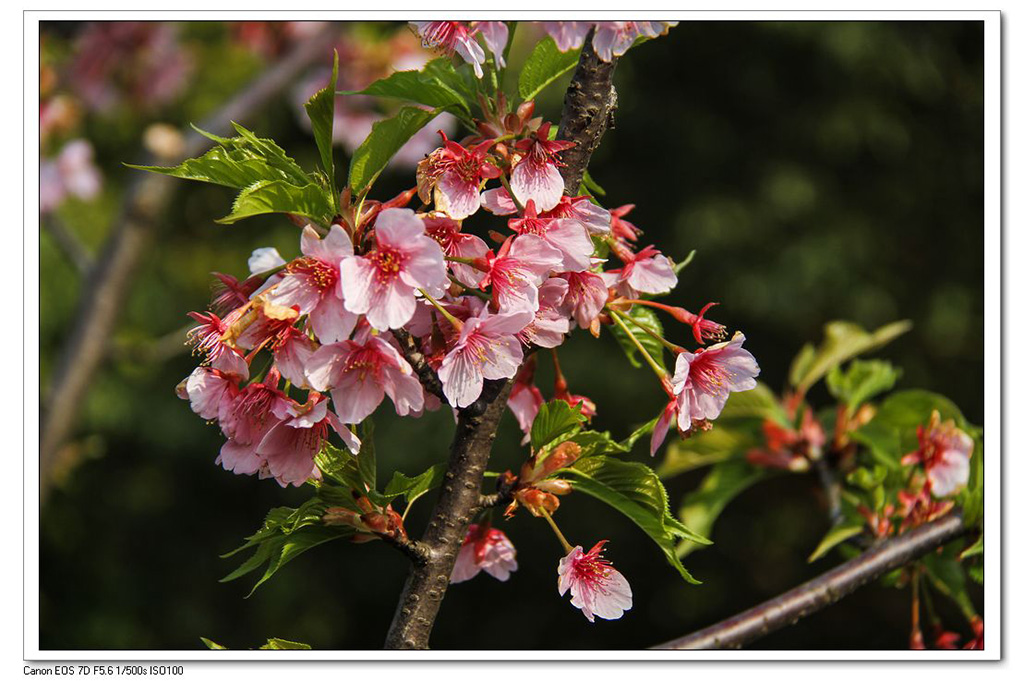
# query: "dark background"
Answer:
x=821 y=171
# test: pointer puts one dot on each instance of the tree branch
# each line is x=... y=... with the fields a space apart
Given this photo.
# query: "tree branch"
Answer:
x=109 y=282
x=586 y=113
x=69 y=244
x=822 y=591
x=428 y=377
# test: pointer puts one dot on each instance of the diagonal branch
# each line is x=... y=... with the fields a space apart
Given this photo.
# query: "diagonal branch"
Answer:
x=109 y=282
x=822 y=591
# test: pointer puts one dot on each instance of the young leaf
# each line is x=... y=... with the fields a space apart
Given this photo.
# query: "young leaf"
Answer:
x=385 y=139
x=320 y=109
x=367 y=457
x=554 y=420
x=210 y=644
x=843 y=341
x=723 y=483
x=645 y=429
x=433 y=86
x=277 y=196
x=634 y=490
x=835 y=536
x=281 y=644
x=722 y=443
x=415 y=487
x=544 y=65
x=340 y=466
x=861 y=381
x=654 y=348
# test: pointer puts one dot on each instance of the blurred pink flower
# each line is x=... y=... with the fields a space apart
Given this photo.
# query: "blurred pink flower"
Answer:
x=486 y=549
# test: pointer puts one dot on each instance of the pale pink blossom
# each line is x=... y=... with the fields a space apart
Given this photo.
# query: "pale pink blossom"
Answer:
x=945 y=452
x=536 y=174
x=456 y=243
x=569 y=237
x=382 y=284
x=246 y=422
x=452 y=36
x=519 y=267
x=498 y=201
x=613 y=38
x=486 y=549
x=360 y=374
x=292 y=350
x=453 y=175
x=647 y=271
x=495 y=35
x=585 y=296
x=289 y=447
x=597 y=588
x=550 y=324
x=568 y=35
x=524 y=401
x=593 y=217
x=207 y=339
x=312 y=284
x=210 y=392
x=487 y=348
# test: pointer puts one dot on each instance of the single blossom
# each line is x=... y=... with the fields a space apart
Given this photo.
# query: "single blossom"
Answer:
x=456 y=243
x=210 y=392
x=487 y=348
x=452 y=37
x=486 y=549
x=567 y=236
x=249 y=418
x=568 y=35
x=536 y=174
x=550 y=323
x=360 y=374
x=524 y=401
x=597 y=588
x=207 y=339
x=623 y=230
x=613 y=38
x=495 y=35
x=593 y=217
x=382 y=284
x=647 y=271
x=453 y=175
x=585 y=296
x=519 y=267
x=312 y=284
x=945 y=452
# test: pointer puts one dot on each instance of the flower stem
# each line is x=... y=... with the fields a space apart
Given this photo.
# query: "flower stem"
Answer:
x=654 y=334
x=558 y=533
x=457 y=323
x=472 y=262
x=643 y=351
x=508 y=188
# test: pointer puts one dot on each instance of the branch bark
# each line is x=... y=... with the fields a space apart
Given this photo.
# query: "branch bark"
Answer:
x=587 y=111
x=822 y=591
x=109 y=281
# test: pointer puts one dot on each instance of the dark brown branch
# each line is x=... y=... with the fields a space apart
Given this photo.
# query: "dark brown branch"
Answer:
x=109 y=283
x=428 y=377
x=415 y=551
x=589 y=106
x=822 y=591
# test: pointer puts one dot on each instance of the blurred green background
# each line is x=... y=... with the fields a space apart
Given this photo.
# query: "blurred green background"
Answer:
x=820 y=170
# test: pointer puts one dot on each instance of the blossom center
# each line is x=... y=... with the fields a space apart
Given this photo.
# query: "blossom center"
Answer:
x=319 y=274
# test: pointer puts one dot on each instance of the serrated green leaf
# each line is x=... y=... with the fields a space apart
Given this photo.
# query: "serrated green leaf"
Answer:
x=555 y=419
x=277 y=196
x=415 y=487
x=843 y=340
x=654 y=348
x=384 y=141
x=723 y=483
x=320 y=109
x=367 y=457
x=835 y=536
x=433 y=86
x=340 y=466
x=544 y=65
x=281 y=644
x=861 y=381
x=593 y=443
x=634 y=490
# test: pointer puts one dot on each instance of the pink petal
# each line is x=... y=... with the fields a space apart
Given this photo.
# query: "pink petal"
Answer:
x=456 y=197
x=540 y=182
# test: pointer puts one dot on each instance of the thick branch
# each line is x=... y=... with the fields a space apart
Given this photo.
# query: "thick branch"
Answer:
x=428 y=377
x=109 y=283
x=587 y=112
x=822 y=591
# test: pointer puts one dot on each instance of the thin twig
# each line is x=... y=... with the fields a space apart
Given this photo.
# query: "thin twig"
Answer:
x=822 y=591
x=69 y=244
x=428 y=377
x=109 y=283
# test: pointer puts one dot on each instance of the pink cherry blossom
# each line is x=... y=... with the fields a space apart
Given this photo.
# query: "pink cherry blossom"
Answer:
x=585 y=296
x=536 y=174
x=647 y=271
x=597 y=588
x=246 y=422
x=454 y=174
x=495 y=35
x=486 y=549
x=382 y=284
x=569 y=237
x=487 y=348
x=206 y=339
x=613 y=38
x=452 y=36
x=498 y=201
x=568 y=35
x=360 y=374
x=290 y=446
x=945 y=452
x=623 y=230
x=703 y=380
x=525 y=400
x=312 y=284
x=593 y=217
x=210 y=392
x=516 y=271
x=456 y=243
x=292 y=350
x=550 y=324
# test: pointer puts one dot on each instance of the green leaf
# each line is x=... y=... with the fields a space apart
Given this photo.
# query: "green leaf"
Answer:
x=383 y=142
x=590 y=185
x=592 y=443
x=554 y=420
x=434 y=86
x=544 y=65
x=320 y=109
x=724 y=442
x=861 y=381
x=277 y=196
x=654 y=348
x=210 y=644
x=221 y=166
x=843 y=341
x=367 y=457
x=340 y=466
x=635 y=491
x=415 y=487
x=723 y=483
x=680 y=266
x=645 y=429
x=759 y=403
x=281 y=644
x=835 y=536
x=975 y=549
